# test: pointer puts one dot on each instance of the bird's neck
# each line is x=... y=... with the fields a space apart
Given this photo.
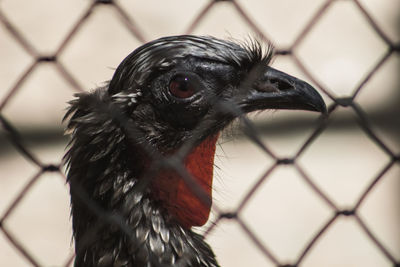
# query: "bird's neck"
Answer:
x=139 y=227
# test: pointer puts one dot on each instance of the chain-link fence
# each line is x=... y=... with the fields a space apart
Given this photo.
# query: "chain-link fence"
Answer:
x=380 y=125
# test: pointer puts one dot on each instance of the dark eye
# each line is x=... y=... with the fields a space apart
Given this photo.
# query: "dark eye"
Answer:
x=182 y=86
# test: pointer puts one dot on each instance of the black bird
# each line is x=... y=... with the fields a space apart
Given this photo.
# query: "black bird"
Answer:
x=133 y=202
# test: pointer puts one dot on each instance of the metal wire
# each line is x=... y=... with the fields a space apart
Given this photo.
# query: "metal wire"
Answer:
x=176 y=162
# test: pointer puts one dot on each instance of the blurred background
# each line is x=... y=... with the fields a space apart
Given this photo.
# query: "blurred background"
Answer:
x=349 y=50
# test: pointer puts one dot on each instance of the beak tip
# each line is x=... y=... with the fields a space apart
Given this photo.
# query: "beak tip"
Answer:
x=312 y=98
x=321 y=107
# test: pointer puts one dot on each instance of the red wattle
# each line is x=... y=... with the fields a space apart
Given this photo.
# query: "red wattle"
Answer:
x=180 y=201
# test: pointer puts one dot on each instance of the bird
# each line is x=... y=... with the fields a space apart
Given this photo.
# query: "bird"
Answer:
x=141 y=152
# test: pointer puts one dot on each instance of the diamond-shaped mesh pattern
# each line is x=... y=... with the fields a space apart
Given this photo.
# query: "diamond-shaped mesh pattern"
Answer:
x=336 y=102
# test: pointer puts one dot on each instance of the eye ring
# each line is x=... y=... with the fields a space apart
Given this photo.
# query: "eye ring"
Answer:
x=182 y=86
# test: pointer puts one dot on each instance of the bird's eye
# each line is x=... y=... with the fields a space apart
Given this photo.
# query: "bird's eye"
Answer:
x=182 y=86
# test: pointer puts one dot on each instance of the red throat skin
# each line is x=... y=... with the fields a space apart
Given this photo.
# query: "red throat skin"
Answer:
x=180 y=201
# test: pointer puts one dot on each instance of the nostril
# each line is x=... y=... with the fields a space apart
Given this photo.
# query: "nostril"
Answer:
x=281 y=84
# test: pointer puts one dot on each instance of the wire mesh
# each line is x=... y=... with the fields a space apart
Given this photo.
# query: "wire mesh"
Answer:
x=129 y=23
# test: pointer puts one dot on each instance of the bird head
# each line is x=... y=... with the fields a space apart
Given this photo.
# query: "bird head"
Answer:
x=174 y=84
x=171 y=98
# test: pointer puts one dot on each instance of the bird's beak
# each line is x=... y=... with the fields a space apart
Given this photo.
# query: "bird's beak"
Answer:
x=272 y=89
